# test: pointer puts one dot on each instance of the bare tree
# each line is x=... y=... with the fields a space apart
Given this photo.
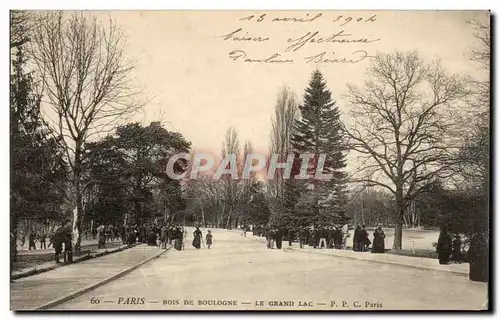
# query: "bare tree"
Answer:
x=247 y=182
x=21 y=23
x=285 y=113
x=232 y=187
x=402 y=128
x=86 y=80
x=482 y=52
x=474 y=155
x=371 y=207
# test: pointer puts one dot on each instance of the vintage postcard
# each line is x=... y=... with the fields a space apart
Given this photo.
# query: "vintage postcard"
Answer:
x=249 y=160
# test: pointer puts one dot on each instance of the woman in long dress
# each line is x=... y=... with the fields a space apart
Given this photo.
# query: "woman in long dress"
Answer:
x=178 y=239
x=197 y=238
x=378 y=241
x=478 y=258
x=356 y=239
x=444 y=247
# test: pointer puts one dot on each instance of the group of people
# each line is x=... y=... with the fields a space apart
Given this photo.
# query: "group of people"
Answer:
x=59 y=236
x=105 y=233
x=323 y=237
x=170 y=234
x=33 y=236
x=151 y=234
x=449 y=248
x=320 y=237
x=361 y=241
x=40 y=236
x=198 y=236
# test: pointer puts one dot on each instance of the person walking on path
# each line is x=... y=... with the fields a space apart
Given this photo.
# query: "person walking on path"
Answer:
x=378 y=241
x=356 y=239
x=68 y=247
x=478 y=258
x=444 y=246
x=457 y=249
x=209 y=239
x=101 y=237
x=316 y=237
x=171 y=234
x=58 y=240
x=178 y=239
x=365 y=240
x=279 y=238
x=339 y=237
x=42 y=238
x=164 y=236
x=302 y=237
x=310 y=238
x=332 y=238
x=323 y=233
x=291 y=236
x=270 y=235
x=31 y=240
x=197 y=238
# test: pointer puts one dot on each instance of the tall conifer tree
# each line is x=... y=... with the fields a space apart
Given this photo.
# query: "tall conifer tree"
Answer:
x=318 y=131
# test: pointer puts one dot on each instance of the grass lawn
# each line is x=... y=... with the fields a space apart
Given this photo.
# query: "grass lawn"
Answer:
x=421 y=253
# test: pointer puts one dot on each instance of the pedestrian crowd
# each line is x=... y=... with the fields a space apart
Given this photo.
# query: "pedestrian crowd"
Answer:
x=323 y=237
x=176 y=234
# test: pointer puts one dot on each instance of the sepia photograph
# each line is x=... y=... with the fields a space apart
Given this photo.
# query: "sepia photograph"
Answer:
x=273 y=160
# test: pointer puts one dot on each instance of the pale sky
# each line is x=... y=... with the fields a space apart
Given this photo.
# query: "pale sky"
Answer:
x=183 y=65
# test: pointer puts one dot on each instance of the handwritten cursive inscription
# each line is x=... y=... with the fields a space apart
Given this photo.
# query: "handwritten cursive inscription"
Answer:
x=242 y=55
x=303 y=32
x=237 y=35
x=262 y=17
x=312 y=37
x=357 y=56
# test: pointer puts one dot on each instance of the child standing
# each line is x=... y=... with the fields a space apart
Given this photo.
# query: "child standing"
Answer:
x=209 y=239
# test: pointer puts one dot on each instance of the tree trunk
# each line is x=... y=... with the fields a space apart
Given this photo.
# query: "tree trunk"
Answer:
x=220 y=219
x=77 y=200
x=13 y=235
x=77 y=213
x=362 y=213
x=229 y=218
x=398 y=231
x=203 y=216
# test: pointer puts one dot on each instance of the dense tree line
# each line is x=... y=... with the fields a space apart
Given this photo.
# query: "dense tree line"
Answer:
x=36 y=170
x=128 y=175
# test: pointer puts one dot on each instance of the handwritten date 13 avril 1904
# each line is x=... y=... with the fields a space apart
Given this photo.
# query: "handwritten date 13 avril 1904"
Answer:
x=342 y=20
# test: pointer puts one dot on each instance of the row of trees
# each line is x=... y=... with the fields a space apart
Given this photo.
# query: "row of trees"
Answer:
x=312 y=127
x=72 y=67
x=128 y=175
x=406 y=131
x=228 y=202
x=37 y=170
